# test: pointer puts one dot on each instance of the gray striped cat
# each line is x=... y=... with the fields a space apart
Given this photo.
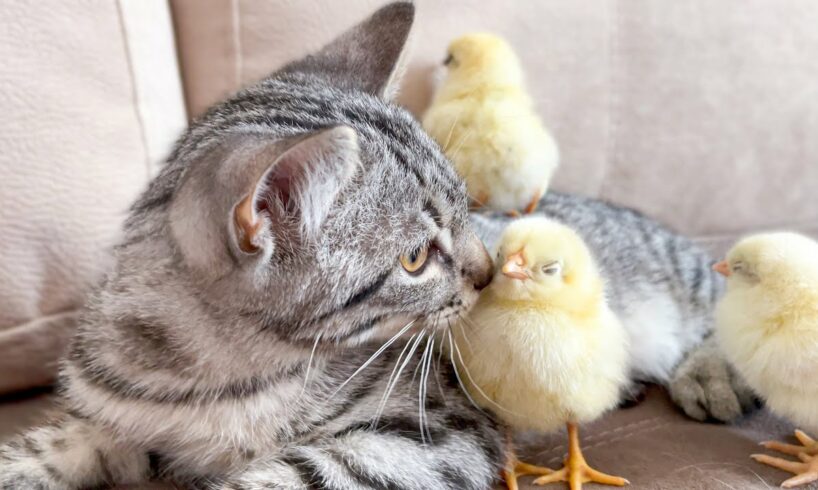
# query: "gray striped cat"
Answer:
x=294 y=229
x=301 y=254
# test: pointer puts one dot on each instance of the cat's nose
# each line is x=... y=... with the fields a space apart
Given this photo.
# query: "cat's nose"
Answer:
x=477 y=266
x=483 y=281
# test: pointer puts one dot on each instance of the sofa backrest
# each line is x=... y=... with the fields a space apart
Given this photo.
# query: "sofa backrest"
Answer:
x=702 y=113
x=91 y=100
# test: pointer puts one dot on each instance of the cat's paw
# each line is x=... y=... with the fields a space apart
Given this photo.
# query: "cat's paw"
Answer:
x=706 y=387
x=16 y=480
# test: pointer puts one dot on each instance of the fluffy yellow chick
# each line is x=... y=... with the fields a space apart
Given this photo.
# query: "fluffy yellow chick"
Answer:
x=542 y=348
x=768 y=327
x=484 y=119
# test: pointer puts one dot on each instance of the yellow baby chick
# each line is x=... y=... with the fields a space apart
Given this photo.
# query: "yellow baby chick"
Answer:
x=768 y=327
x=542 y=348
x=484 y=119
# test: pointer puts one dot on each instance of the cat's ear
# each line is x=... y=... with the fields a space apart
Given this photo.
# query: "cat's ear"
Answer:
x=295 y=194
x=369 y=56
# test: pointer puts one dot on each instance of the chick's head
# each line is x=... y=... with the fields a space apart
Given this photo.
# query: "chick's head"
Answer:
x=482 y=59
x=542 y=261
x=777 y=262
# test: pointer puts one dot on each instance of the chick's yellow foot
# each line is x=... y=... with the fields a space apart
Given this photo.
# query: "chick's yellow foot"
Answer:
x=576 y=470
x=535 y=201
x=515 y=469
x=808 y=445
x=805 y=471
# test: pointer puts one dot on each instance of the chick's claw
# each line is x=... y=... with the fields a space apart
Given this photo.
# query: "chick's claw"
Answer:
x=517 y=469
x=805 y=472
x=791 y=449
x=808 y=447
x=534 y=202
x=810 y=444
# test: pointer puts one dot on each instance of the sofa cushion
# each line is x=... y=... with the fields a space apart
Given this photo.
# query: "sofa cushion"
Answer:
x=91 y=99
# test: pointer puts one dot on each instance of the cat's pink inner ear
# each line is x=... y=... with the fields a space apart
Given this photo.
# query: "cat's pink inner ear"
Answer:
x=278 y=184
x=295 y=193
x=247 y=225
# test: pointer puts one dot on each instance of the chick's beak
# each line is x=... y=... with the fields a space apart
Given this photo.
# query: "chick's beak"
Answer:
x=722 y=268
x=513 y=268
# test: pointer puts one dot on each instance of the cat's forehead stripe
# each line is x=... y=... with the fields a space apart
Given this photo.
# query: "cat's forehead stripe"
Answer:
x=432 y=210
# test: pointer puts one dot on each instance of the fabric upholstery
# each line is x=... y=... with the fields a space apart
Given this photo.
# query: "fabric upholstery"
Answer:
x=652 y=445
x=699 y=113
x=83 y=128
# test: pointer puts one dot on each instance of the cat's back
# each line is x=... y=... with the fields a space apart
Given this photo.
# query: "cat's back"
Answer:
x=633 y=251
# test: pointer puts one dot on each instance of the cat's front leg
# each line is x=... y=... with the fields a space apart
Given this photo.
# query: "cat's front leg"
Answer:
x=705 y=386
x=69 y=453
x=398 y=457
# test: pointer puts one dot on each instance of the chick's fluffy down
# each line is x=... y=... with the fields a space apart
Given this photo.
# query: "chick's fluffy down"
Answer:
x=771 y=336
x=485 y=121
x=499 y=147
x=542 y=369
x=768 y=323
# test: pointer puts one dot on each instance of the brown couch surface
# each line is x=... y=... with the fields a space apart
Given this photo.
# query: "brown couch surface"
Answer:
x=651 y=444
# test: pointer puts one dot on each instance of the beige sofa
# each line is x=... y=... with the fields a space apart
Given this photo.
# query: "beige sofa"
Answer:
x=700 y=113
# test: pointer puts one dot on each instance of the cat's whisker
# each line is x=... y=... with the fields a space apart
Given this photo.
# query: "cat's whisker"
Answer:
x=374 y=356
x=391 y=386
x=421 y=393
x=415 y=372
x=474 y=327
x=395 y=368
x=382 y=403
x=425 y=379
x=309 y=364
x=451 y=131
x=436 y=367
x=420 y=390
x=463 y=330
x=459 y=379
x=478 y=201
x=471 y=380
x=460 y=144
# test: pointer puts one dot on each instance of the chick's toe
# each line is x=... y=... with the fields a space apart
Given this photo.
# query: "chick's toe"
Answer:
x=808 y=445
x=805 y=471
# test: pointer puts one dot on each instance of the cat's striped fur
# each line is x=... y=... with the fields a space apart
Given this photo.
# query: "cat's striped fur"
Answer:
x=222 y=353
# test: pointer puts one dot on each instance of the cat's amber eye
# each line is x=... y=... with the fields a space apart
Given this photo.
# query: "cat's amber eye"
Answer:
x=414 y=261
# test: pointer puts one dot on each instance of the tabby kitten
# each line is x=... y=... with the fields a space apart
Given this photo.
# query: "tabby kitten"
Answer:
x=295 y=228
x=304 y=245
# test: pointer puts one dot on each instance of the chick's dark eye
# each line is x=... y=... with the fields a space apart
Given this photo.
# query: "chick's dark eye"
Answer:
x=413 y=262
x=448 y=60
x=551 y=269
